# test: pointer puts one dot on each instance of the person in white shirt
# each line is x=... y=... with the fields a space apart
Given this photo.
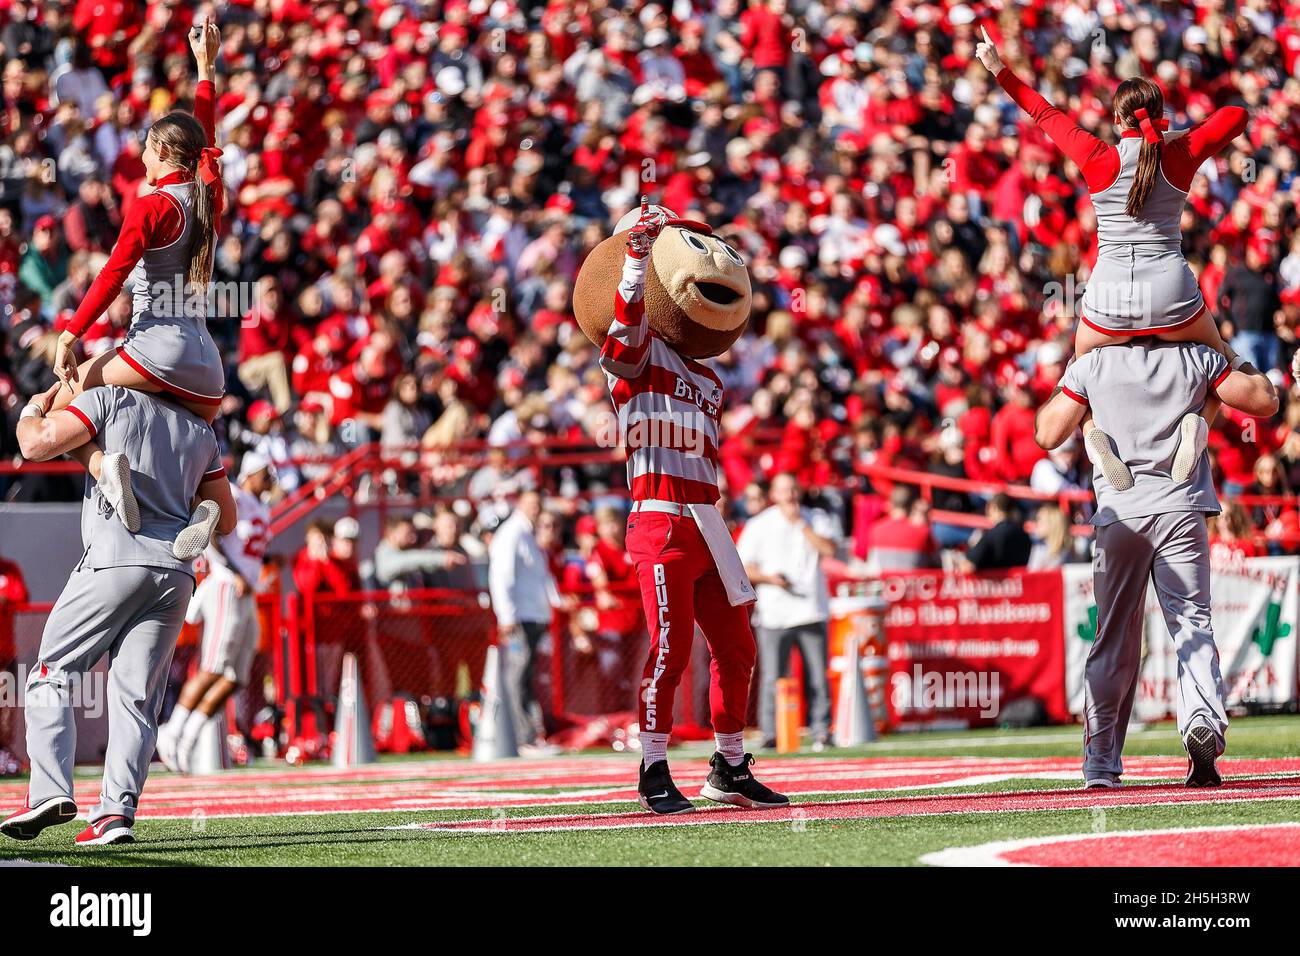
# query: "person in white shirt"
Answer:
x=782 y=548
x=225 y=603
x=523 y=597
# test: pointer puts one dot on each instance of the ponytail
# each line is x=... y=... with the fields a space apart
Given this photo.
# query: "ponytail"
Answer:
x=206 y=209
x=187 y=145
x=1139 y=105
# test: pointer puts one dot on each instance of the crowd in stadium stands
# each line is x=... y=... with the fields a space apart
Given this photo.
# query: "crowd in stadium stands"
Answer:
x=413 y=185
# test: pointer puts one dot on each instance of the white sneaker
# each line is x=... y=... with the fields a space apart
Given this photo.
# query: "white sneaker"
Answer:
x=1102 y=783
x=1194 y=435
x=115 y=486
x=192 y=541
x=1102 y=454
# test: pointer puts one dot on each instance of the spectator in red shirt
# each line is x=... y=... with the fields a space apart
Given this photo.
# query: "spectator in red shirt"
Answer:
x=314 y=569
x=765 y=34
x=611 y=636
x=1012 y=432
x=264 y=342
x=13 y=591
x=900 y=541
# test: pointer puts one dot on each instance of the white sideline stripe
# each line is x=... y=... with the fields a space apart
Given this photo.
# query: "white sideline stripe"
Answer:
x=927 y=744
x=990 y=854
x=701 y=815
x=19 y=861
x=473 y=800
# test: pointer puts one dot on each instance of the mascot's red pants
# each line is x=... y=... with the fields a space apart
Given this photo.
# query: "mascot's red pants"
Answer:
x=679 y=587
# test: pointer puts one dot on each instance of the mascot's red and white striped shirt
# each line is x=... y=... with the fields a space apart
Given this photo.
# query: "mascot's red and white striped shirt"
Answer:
x=668 y=405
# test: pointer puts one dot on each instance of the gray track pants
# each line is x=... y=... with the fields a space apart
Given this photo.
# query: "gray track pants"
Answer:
x=774 y=647
x=520 y=649
x=1171 y=550
x=133 y=615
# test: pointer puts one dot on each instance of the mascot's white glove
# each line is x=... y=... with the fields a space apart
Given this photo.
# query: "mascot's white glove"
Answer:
x=645 y=232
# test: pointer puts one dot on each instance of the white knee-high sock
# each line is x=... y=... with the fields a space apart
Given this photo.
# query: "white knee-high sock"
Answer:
x=193 y=727
x=732 y=747
x=176 y=722
x=654 y=747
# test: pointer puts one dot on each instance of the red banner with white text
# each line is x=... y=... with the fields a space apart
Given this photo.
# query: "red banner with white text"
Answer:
x=968 y=650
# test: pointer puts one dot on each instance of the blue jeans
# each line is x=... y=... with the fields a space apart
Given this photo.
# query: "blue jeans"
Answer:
x=1258 y=348
x=950 y=535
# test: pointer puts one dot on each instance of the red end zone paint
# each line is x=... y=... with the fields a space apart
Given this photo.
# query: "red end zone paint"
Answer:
x=1272 y=844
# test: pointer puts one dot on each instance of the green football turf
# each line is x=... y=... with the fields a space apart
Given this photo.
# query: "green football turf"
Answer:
x=339 y=839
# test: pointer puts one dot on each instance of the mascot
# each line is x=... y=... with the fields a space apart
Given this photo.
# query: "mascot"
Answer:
x=657 y=296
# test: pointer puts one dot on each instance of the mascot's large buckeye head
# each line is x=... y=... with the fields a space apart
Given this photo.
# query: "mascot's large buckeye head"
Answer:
x=697 y=293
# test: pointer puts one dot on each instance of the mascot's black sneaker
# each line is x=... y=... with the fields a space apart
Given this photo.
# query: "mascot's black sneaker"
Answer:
x=658 y=793
x=737 y=786
x=1202 y=751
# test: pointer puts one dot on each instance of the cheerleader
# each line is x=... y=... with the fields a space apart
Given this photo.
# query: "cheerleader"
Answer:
x=1141 y=284
x=164 y=255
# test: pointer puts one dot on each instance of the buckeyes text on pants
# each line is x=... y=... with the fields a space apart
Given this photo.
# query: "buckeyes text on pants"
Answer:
x=132 y=614
x=680 y=587
x=1171 y=551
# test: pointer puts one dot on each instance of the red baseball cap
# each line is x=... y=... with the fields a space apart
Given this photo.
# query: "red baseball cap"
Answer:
x=261 y=409
x=585 y=525
x=560 y=201
x=45 y=222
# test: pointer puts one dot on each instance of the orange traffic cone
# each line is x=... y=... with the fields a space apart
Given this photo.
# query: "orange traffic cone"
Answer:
x=789 y=706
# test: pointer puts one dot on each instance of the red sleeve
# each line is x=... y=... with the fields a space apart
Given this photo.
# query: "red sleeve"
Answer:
x=205 y=109
x=150 y=223
x=627 y=344
x=1184 y=155
x=1098 y=162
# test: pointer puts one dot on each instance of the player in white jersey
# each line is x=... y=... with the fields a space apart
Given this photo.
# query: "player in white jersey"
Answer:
x=226 y=604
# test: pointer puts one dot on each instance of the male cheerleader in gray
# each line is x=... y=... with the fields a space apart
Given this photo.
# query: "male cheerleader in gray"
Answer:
x=126 y=598
x=1156 y=530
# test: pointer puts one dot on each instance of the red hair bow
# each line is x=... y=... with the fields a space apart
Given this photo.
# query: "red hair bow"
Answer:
x=1148 y=128
x=210 y=173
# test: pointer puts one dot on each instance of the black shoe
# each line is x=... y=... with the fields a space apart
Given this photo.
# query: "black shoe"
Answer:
x=737 y=786
x=1202 y=752
x=658 y=793
x=767 y=743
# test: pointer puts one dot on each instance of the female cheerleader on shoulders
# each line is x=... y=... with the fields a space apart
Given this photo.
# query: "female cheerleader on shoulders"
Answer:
x=164 y=256
x=1141 y=284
